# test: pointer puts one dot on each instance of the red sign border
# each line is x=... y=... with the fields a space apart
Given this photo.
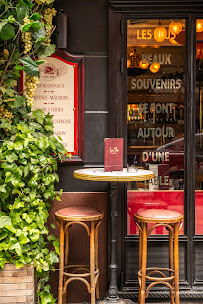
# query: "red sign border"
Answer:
x=75 y=152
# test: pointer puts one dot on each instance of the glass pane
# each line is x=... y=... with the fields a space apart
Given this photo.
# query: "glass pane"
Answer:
x=155 y=114
x=199 y=131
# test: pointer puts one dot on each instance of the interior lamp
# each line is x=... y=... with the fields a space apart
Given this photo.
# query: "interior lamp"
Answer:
x=128 y=63
x=172 y=40
x=175 y=27
x=143 y=65
x=154 y=67
x=199 y=25
x=160 y=34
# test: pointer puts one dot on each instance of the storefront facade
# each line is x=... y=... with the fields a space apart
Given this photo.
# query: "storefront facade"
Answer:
x=143 y=82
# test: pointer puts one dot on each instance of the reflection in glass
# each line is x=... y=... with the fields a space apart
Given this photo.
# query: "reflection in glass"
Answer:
x=199 y=131
x=155 y=114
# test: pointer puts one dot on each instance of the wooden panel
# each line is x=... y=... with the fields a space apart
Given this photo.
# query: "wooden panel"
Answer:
x=13 y=279
x=96 y=86
x=87 y=31
x=198 y=259
x=12 y=299
x=96 y=129
x=13 y=273
x=17 y=285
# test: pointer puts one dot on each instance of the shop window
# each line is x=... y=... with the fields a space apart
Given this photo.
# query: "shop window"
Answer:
x=199 y=130
x=155 y=115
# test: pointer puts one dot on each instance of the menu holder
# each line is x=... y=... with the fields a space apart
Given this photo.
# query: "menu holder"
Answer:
x=113 y=154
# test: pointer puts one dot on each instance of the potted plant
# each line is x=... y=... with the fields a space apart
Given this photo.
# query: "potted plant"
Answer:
x=29 y=150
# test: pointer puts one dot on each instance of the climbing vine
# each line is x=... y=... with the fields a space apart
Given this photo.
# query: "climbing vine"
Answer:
x=29 y=151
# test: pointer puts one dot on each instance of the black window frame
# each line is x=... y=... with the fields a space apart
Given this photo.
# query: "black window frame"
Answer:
x=119 y=13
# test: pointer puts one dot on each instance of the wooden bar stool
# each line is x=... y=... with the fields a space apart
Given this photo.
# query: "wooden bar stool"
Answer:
x=173 y=221
x=67 y=273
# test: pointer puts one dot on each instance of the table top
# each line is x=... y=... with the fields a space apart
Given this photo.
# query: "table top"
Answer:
x=98 y=174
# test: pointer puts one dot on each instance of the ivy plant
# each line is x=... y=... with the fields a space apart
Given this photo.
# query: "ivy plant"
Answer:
x=29 y=151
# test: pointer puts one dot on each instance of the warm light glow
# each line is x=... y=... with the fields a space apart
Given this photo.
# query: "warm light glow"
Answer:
x=199 y=25
x=128 y=63
x=154 y=67
x=143 y=65
x=160 y=34
x=175 y=27
x=173 y=41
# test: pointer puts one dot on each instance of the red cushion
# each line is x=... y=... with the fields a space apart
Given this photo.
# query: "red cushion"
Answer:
x=158 y=213
x=78 y=211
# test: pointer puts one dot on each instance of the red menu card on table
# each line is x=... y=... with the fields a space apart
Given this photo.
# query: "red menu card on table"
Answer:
x=113 y=154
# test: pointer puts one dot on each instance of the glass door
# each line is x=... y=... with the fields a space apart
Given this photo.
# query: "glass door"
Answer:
x=155 y=115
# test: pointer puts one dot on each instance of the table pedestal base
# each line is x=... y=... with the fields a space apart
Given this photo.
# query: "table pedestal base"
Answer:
x=118 y=300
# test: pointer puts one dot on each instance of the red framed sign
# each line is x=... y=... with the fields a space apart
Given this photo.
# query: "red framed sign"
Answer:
x=60 y=93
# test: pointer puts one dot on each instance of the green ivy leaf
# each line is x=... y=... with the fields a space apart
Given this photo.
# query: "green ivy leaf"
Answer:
x=17 y=247
x=29 y=66
x=47 y=288
x=35 y=16
x=29 y=4
x=18 y=205
x=46 y=298
x=39 y=34
x=3 y=235
x=28 y=217
x=23 y=127
x=11 y=157
x=2 y=23
x=39 y=115
x=53 y=226
x=35 y=236
x=23 y=240
x=3 y=188
x=7 y=32
x=18 y=101
x=15 y=181
x=57 y=246
x=5 y=222
x=3 y=261
x=31 y=27
x=11 y=19
x=18 y=145
x=22 y=10
x=39 y=62
x=19 y=264
x=46 y=50
x=39 y=41
x=53 y=258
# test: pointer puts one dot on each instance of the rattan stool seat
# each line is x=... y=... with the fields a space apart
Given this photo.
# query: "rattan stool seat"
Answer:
x=158 y=216
x=79 y=213
x=172 y=220
x=88 y=274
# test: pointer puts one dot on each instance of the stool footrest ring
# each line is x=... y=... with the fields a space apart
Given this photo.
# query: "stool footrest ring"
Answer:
x=77 y=268
x=159 y=271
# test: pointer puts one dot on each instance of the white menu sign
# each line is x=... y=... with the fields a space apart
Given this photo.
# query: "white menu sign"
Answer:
x=55 y=94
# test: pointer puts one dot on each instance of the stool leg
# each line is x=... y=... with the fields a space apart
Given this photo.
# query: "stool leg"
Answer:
x=176 y=263
x=92 y=262
x=144 y=263
x=171 y=262
x=96 y=261
x=66 y=246
x=140 y=261
x=61 y=263
x=66 y=259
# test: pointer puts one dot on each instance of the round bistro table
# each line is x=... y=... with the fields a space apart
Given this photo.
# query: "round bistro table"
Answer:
x=98 y=174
